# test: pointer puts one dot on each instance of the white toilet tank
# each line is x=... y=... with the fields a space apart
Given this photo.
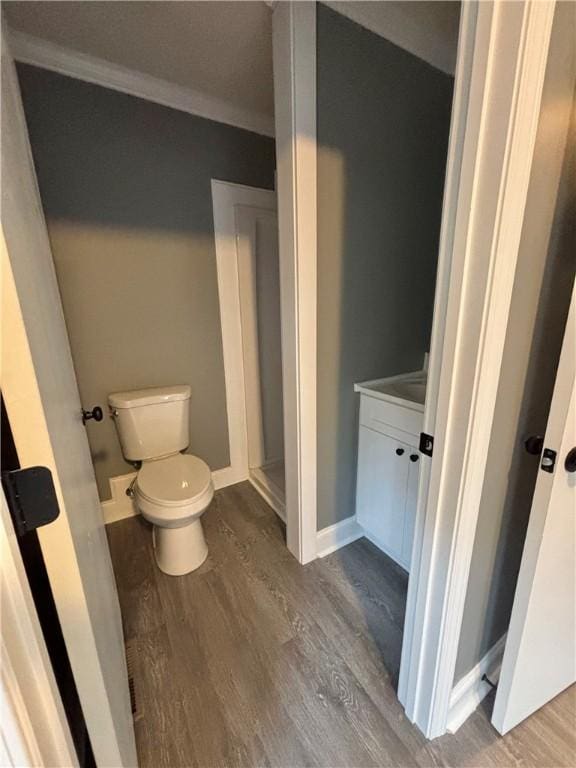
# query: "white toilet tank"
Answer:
x=152 y=423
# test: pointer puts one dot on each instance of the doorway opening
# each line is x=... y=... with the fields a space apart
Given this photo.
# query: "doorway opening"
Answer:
x=136 y=251
x=384 y=119
x=246 y=238
x=170 y=308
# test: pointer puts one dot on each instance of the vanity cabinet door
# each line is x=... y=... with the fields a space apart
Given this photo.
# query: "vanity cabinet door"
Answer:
x=411 y=504
x=383 y=468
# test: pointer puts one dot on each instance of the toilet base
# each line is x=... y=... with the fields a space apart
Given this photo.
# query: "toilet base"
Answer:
x=179 y=551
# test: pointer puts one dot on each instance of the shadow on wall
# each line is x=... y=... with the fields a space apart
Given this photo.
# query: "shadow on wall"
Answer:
x=125 y=187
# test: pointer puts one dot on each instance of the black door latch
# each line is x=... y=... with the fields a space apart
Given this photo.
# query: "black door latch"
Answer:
x=31 y=498
x=548 y=460
x=426 y=445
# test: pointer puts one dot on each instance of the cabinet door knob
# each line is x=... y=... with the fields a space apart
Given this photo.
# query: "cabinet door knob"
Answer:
x=399 y=451
x=414 y=457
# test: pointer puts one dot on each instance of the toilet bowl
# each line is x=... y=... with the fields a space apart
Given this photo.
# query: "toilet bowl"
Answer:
x=172 y=489
x=172 y=494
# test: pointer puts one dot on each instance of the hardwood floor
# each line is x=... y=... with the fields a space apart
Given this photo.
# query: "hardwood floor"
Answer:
x=254 y=660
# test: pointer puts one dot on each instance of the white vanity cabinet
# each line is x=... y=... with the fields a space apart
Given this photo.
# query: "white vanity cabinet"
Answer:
x=389 y=464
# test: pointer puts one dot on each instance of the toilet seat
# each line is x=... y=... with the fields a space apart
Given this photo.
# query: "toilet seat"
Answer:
x=174 y=481
x=171 y=492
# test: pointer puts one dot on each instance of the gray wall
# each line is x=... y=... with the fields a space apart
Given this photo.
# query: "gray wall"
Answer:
x=383 y=124
x=125 y=186
x=539 y=309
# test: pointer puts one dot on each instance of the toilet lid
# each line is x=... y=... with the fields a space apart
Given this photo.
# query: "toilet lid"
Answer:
x=174 y=480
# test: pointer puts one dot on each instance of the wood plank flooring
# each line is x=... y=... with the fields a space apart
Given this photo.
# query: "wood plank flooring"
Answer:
x=254 y=660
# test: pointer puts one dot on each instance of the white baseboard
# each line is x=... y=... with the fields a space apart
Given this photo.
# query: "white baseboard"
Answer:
x=383 y=548
x=338 y=535
x=222 y=478
x=269 y=491
x=471 y=689
x=121 y=506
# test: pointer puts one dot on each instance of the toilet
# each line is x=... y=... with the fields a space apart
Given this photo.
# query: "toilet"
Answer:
x=172 y=489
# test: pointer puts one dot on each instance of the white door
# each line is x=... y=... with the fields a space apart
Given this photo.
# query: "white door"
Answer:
x=41 y=396
x=540 y=656
x=33 y=725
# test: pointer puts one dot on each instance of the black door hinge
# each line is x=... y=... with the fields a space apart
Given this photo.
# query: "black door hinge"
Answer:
x=426 y=445
x=548 y=460
x=31 y=498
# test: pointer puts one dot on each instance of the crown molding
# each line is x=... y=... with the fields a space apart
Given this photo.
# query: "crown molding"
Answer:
x=28 y=49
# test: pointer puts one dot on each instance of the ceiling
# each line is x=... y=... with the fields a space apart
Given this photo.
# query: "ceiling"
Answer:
x=218 y=50
x=222 y=49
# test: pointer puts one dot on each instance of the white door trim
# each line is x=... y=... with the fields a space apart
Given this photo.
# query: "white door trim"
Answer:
x=472 y=689
x=294 y=43
x=511 y=53
x=226 y=198
x=33 y=725
x=457 y=188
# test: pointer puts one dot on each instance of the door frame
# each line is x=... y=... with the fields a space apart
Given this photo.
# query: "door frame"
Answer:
x=33 y=726
x=238 y=321
x=294 y=52
x=500 y=71
x=510 y=56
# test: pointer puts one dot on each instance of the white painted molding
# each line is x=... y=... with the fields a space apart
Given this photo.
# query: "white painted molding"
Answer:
x=222 y=478
x=41 y=53
x=121 y=506
x=271 y=494
x=336 y=536
x=457 y=194
x=253 y=210
x=510 y=58
x=225 y=198
x=471 y=689
x=294 y=44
